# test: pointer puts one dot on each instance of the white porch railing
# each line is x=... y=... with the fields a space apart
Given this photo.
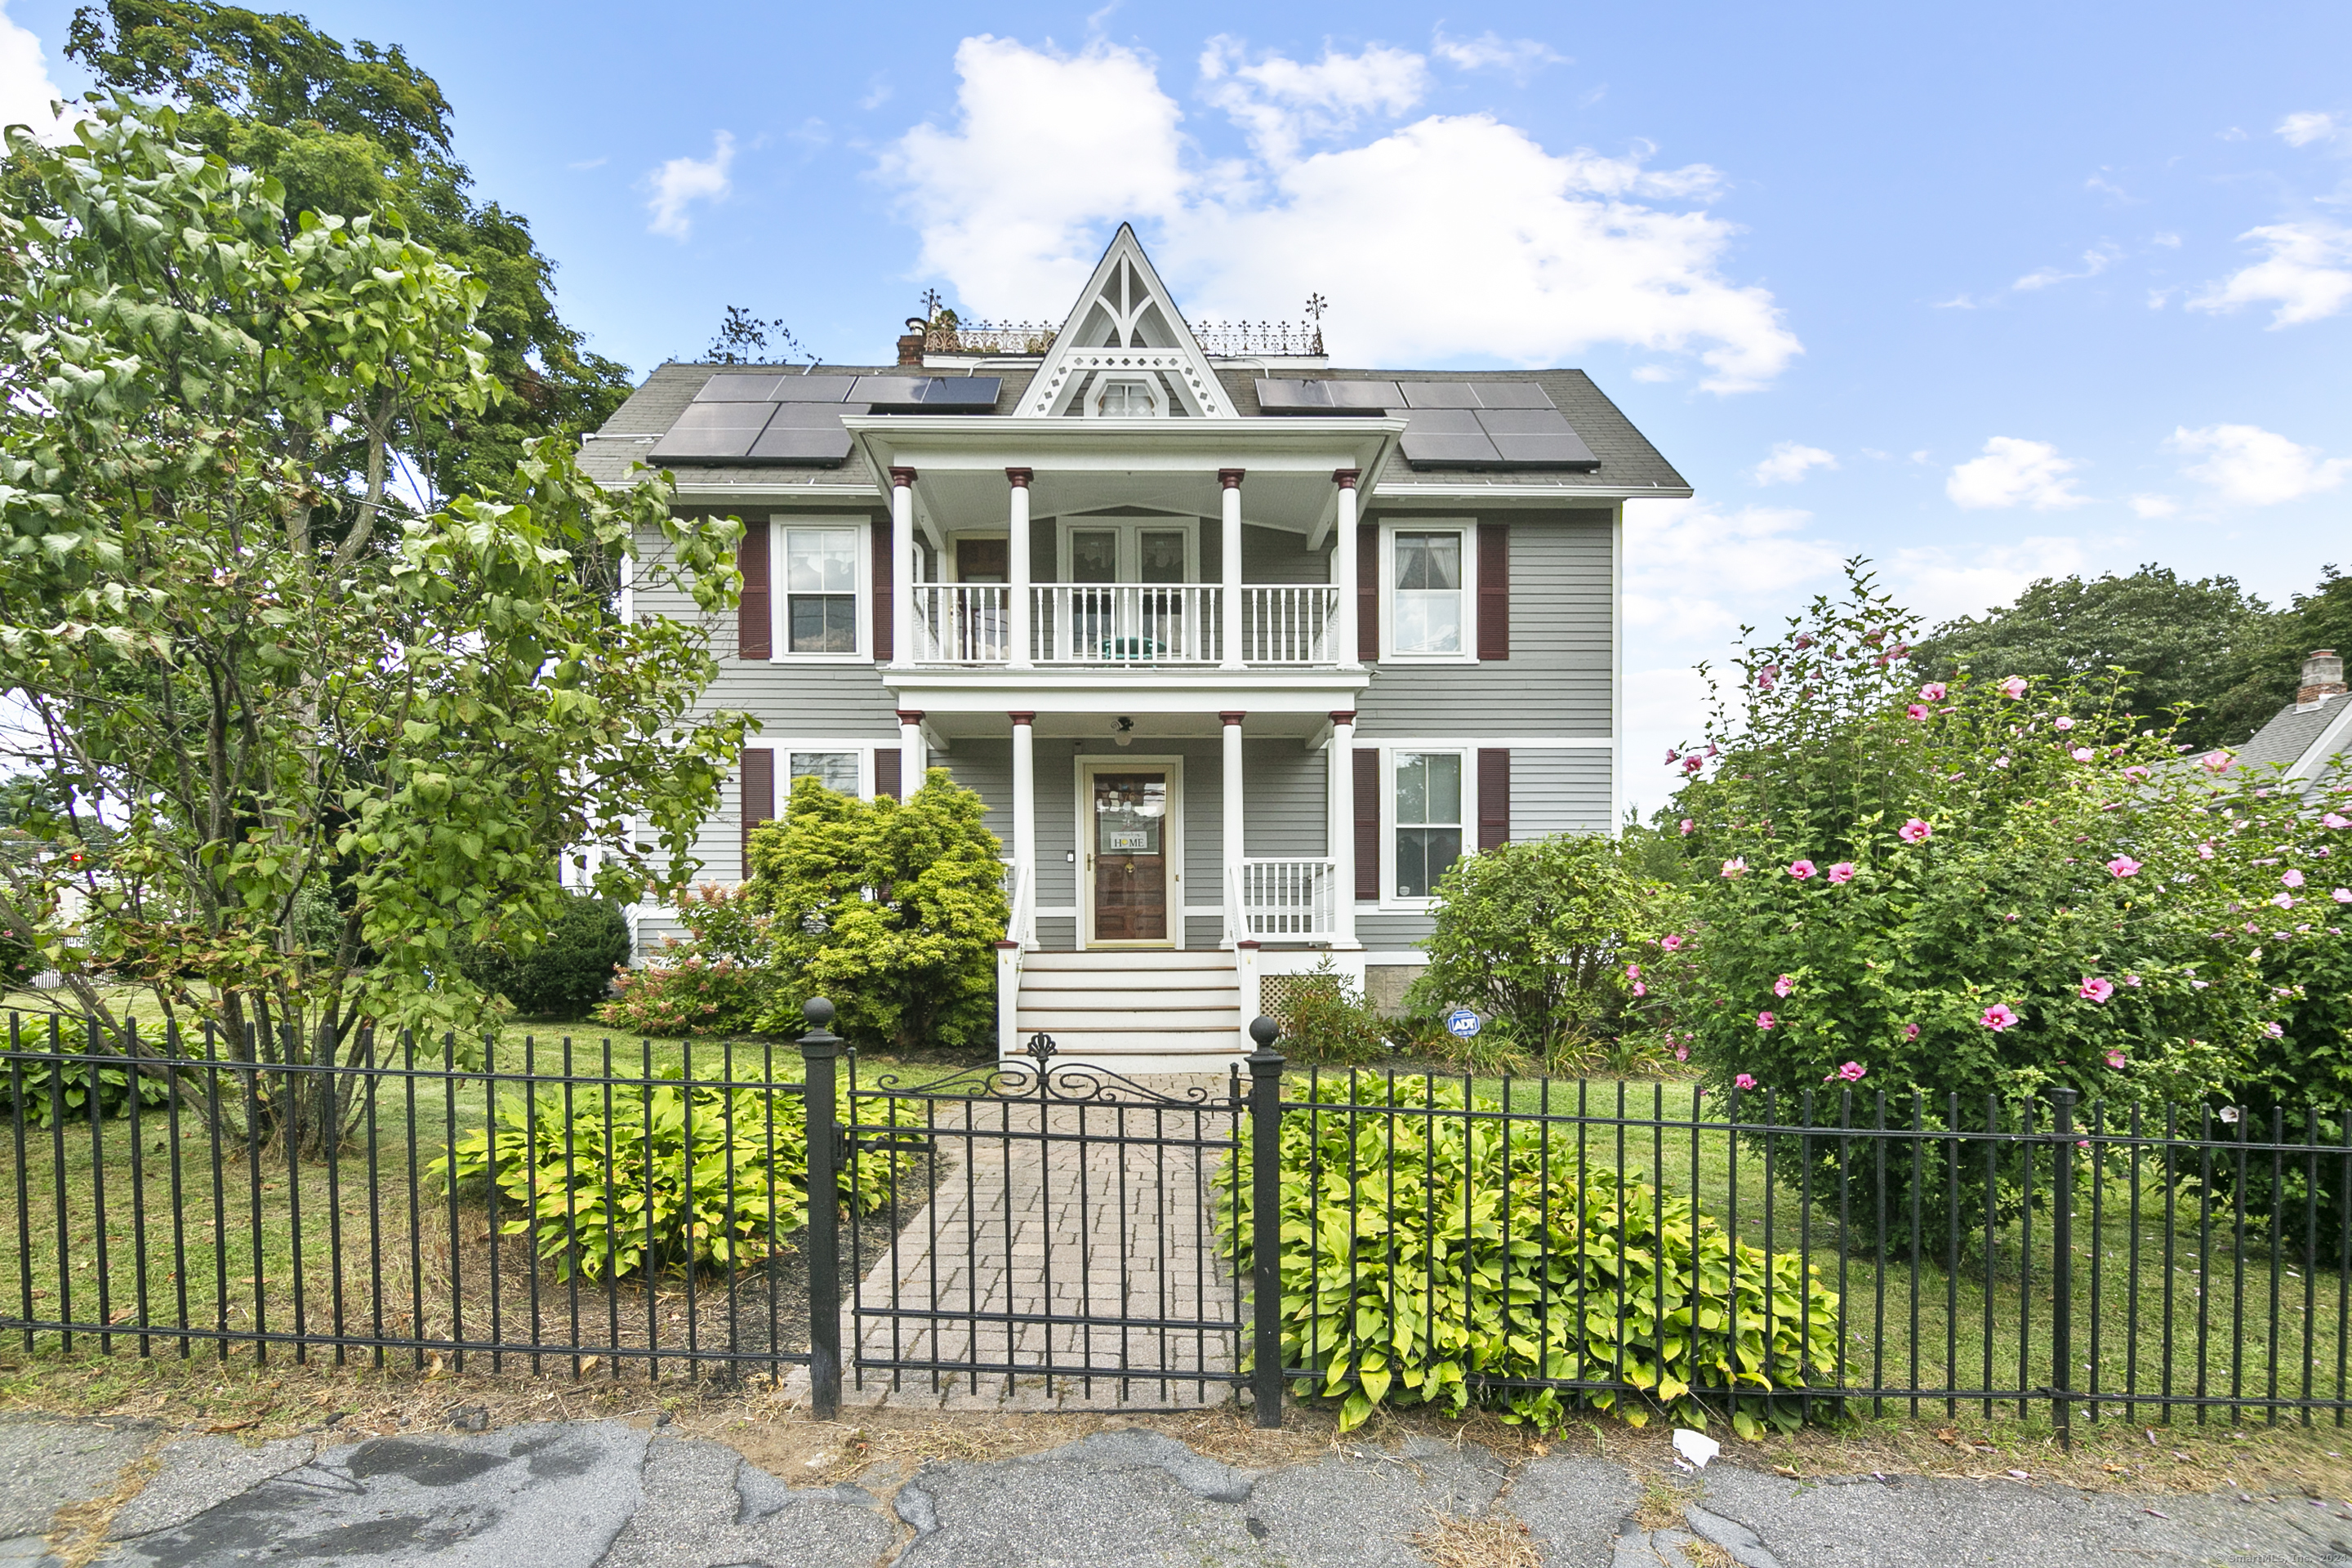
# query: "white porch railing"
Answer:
x=1288 y=624
x=1127 y=622
x=1291 y=900
x=962 y=623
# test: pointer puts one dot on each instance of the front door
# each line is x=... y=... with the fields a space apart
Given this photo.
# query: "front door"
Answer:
x=1128 y=853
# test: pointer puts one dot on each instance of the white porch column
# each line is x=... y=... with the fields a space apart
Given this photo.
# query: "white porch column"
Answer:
x=913 y=756
x=1236 y=925
x=1024 y=824
x=1344 y=631
x=902 y=566
x=1339 y=829
x=1016 y=568
x=1230 y=638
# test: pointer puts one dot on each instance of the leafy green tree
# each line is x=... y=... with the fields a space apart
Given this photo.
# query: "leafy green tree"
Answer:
x=2271 y=661
x=1536 y=934
x=419 y=713
x=2183 y=642
x=892 y=910
x=364 y=131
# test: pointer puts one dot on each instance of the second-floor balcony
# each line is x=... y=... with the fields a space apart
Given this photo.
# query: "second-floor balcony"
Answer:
x=1125 y=625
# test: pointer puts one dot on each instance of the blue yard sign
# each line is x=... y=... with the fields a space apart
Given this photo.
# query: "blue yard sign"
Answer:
x=1463 y=1021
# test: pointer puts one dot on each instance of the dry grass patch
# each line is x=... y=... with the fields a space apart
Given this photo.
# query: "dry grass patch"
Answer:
x=1498 y=1541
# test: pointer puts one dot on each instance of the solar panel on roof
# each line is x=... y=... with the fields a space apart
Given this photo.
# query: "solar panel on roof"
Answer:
x=961 y=394
x=1362 y=396
x=713 y=432
x=723 y=388
x=805 y=432
x=1289 y=396
x=1536 y=437
x=813 y=388
x=1447 y=437
x=1438 y=394
x=891 y=390
x=1510 y=395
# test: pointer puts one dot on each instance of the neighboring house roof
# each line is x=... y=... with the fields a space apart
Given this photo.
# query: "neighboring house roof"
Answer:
x=2305 y=738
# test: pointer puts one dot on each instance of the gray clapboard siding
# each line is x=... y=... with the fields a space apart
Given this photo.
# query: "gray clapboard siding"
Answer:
x=1283 y=788
x=1557 y=679
x=1272 y=556
x=1560 y=791
x=1391 y=930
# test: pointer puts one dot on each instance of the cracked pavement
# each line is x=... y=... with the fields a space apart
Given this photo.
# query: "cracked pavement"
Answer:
x=608 y=1494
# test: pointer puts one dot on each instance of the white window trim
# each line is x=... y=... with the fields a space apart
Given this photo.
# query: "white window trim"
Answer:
x=1468 y=528
x=780 y=600
x=862 y=750
x=1468 y=751
x=948 y=572
x=1100 y=391
x=1130 y=544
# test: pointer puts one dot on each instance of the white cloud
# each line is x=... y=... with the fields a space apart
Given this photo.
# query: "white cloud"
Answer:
x=27 y=93
x=1518 y=58
x=1938 y=583
x=2249 y=466
x=1543 y=255
x=2154 y=506
x=2094 y=263
x=1789 y=462
x=2305 y=274
x=1684 y=559
x=2307 y=126
x=680 y=183
x=1281 y=103
x=2014 y=472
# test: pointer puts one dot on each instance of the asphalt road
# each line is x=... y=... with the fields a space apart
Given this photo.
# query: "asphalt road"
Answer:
x=606 y=1494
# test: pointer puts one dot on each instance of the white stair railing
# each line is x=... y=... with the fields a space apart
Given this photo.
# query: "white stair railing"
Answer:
x=1126 y=623
x=1290 y=625
x=962 y=623
x=1291 y=900
x=1019 y=933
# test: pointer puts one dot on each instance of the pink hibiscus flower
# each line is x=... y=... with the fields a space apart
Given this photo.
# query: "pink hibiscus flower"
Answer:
x=1736 y=865
x=2342 y=895
x=2291 y=878
x=1851 y=1073
x=2081 y=754
x=1670 y=942
x=2123 y=865
x=2215 y=762
x=1640 y=988
x=2336 y=819
x=1842 y=872
x=1743 y=1080
x=1913 y=831
x=1999 y=1016
x=1910 y=1031
x=1688 y=826
x=1764 y=1020
x=2204 y=852
x=1916 y=710
x=2115 y=1060
x=1802 y=870
x=2014 y=688
x=1693 y=763
x=2095 y=989
x=1932 y=692
x=1782 y=986
x=2064 y=724
x=2131 y=979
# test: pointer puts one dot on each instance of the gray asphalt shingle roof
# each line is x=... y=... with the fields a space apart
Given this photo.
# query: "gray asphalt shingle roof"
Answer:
x=1628 y=461
x=2294 y=731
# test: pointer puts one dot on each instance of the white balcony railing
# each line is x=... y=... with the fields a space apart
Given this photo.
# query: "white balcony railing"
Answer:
x=1293 y=901
x=1288 y=624
x=1127 y=622
x=962 y=623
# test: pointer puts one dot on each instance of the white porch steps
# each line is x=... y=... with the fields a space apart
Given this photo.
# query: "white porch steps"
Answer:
x=1133 y=1011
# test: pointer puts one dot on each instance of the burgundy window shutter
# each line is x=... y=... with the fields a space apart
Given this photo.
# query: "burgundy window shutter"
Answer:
x=885 y=591
x=1368 y=590
x=1494 y=797
x=886 y=771
x=1368 y=822
x=758 y=776
x=754 y=615
x=1493 y=590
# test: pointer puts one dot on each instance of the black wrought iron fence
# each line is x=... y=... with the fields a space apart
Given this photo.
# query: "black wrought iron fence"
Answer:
x=632 y=1211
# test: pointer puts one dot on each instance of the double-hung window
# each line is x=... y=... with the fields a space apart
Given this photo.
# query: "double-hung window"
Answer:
x=837 y=770
x=1429 y=601
x=1428 y=818
x=820 y=589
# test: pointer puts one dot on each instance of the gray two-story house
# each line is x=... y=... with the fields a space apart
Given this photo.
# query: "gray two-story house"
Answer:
x=1242 y=650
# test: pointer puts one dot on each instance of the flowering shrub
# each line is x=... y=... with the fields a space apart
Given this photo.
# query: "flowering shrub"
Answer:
x=2026 y=906
x=713 y=984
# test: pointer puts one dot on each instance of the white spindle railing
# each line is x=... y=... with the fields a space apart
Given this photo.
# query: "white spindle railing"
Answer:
x=1126 y=623
x=962 y=623
x=1288 y=624
x=1292 y=900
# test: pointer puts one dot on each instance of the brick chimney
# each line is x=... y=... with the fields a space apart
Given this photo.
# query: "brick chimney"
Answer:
x=2323 y=676
x=910 y=352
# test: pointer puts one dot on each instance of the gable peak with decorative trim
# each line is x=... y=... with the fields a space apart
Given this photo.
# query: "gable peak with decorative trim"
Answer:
x=1126 y=351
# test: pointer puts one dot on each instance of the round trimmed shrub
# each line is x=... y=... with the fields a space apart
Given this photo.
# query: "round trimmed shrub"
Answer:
x=566 y=972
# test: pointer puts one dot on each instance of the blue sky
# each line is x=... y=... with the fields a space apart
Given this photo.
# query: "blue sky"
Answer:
x=1981 y=292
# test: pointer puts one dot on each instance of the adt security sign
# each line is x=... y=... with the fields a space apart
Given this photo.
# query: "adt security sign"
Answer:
x=1462 y=1022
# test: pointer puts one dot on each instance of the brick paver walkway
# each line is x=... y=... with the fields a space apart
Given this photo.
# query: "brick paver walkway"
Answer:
x=1050 y=1224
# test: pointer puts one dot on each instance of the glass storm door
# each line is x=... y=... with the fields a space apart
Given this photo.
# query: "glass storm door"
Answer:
x=1129 y=856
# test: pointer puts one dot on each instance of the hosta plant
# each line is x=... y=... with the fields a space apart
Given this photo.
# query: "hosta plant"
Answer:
x=1426 y=1247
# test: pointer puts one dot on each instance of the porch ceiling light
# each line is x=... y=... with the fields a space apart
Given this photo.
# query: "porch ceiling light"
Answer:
x=1126 y=736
